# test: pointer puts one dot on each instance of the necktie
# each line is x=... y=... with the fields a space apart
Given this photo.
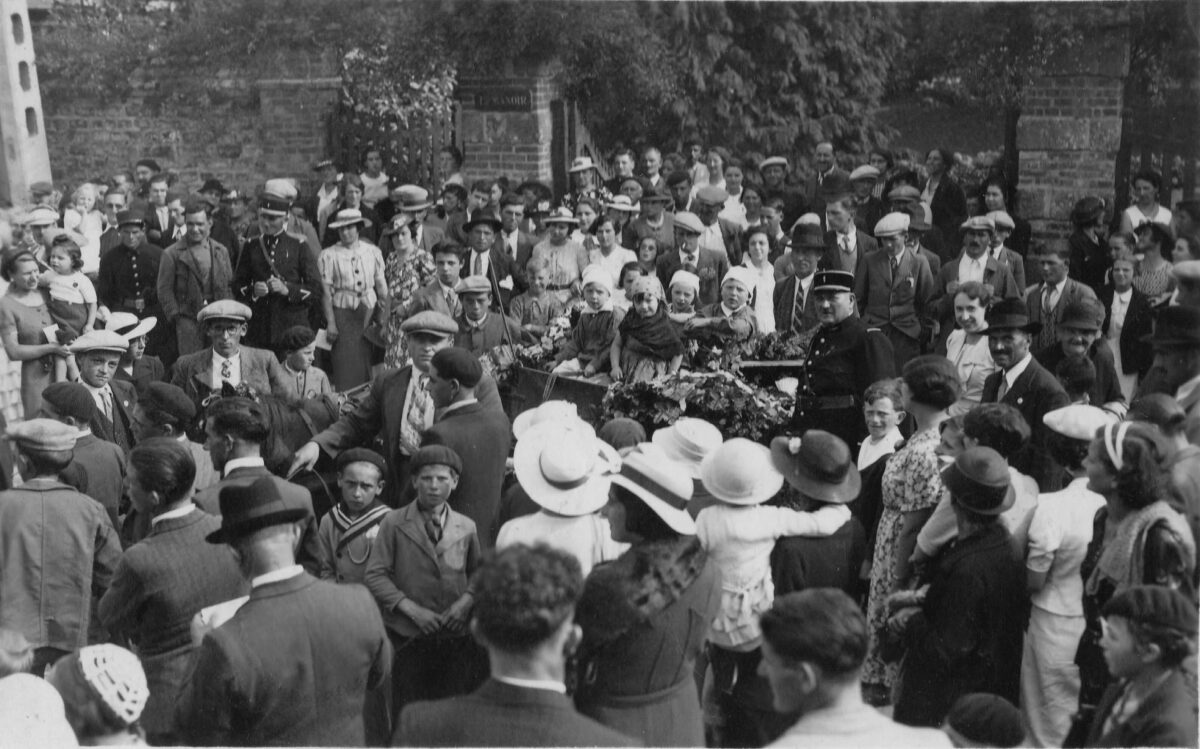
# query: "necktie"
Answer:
x=477 y=266
x=452 y=303
x=1048 y=300
x=226 y=369
x=798 y=309
x=844 y=241
x=433 y=526
x=106 y=396
x=895 y=267
x=417 y=417
x=1003 y=391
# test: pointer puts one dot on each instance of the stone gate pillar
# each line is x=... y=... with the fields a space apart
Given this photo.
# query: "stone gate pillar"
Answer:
x=1070 y=131
x=505 y=125
x=26 y=158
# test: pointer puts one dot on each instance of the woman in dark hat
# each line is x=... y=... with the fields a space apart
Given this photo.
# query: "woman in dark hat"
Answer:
x=964 y=634
x=1090 y=258
x=911 y=489
x=1137 y=539
x=645 y=616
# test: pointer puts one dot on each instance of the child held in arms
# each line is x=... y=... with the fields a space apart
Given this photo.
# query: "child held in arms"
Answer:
x=587 y=350
x=647 y=345
x=730 y=320
x=347 y=531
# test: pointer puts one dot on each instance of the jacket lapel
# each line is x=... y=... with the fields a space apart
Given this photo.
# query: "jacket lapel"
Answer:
x=413 y=526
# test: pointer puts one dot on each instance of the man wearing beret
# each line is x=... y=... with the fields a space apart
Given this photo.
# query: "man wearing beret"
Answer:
x=194 y=272
x=99 y=354
x=894 y=288
x=101 y=461
x=60 y=548
x=481 y=329
x=226 y=359
x=398 y=408
x=276 y=276
x=844 y=358
x=302 y=661
x=128 y=280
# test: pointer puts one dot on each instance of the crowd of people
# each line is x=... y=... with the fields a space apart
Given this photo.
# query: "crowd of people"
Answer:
x=267 y=491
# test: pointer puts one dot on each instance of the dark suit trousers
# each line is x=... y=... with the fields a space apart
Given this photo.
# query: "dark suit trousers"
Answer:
x=433 y=668
x=903 y=346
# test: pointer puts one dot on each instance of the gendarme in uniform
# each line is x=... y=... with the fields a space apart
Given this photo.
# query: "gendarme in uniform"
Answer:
x=845 y=356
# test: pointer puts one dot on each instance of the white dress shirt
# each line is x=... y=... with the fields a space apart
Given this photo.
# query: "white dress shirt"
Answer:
x=235 y=463
x=235 y=369
x=274 y=576
x=1011 y=375
x=971 y=269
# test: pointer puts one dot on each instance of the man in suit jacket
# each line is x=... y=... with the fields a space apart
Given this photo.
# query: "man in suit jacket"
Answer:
x=894 y=289
x=721 y=235
x=1025 y=385
x=159 y=226
x=484 y=259
x=439 y=295
x=481 y=436
x=296 y=664
x=101 y=461
x=846 y=246
x=235 y=430
x=523 y=615
x=1136 y=354
x=397 y=409
x=1047 y=300
x=974 y=264
x=999 y=250
x=654 y=221
x=99 y=354
x=276 y=276
x=409 y=203
x=226 y=360
x=827 y=178
x=710 y=265
x=193 y=273
x=512 y=241
x=795 y=291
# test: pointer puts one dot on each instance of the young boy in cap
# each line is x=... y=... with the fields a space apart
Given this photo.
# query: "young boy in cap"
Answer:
x=99 y=353
x=348 y=530
x=44 y=519
x=419 y=572
x=304 y=381
x=100 y=461
x=481 y=329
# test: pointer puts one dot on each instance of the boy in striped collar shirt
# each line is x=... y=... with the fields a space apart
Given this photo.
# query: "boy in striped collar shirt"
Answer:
x=348 y=530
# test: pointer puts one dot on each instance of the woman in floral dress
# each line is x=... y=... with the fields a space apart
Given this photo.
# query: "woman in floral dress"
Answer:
x=407 y=269
x=912 y=485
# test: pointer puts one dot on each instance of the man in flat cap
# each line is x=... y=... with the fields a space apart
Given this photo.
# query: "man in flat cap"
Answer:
x=226 y=359
x=894 y=289
x=844 y=358
x=774 y=170
x=301 y=662
x=654 y=221
x=974 y=264
x=99 y=354
x=710 y=265
x=194 y=272
x=276 y=276
x=101 y=461
x=128 y=281
x=480 y=328
x=398 y=408
x=60 y=548
x=720 y=234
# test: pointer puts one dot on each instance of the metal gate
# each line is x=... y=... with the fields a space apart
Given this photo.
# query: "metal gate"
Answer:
x=408 y=153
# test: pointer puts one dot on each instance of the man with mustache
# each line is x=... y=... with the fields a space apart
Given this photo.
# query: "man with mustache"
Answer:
x=1079 y=335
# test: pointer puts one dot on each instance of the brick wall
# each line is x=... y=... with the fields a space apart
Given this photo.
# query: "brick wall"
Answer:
x=1069 y=133
x=512 y=143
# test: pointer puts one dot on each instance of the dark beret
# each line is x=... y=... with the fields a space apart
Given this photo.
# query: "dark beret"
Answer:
x=456 y=363
x=434 y=455
x=296 y=338
x=71 y=399
x=361 y=455
x=1156 y=605
x=622 y=432
x=987 y=719
x=168 y=398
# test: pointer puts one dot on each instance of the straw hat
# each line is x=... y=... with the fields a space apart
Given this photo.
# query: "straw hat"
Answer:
x=740 y=472
x=564 y=468
x=662 y=484
x=552 y=412
x=688 y=441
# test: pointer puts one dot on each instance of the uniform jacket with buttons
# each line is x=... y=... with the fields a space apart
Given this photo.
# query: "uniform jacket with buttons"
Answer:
x=405 y=563
x=289 y=259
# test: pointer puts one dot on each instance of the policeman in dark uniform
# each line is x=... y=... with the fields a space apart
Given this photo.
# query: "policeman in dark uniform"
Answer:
x=276 y=275
x=127 y=281
x=844 y=358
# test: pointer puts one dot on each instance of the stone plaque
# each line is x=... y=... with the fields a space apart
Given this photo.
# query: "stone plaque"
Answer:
x=504 y=100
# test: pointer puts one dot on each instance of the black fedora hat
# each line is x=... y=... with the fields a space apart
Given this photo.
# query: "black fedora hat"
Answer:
x=1175 y=327
x=819 y=464
x=808 y=237
x=1011 y=314
x=482 y=218
x=246 y=508
x=979 y=480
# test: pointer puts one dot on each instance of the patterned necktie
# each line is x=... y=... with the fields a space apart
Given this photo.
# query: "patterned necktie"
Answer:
x=226 y=369
x=844 y=242
x=798 y=309
x=417 y=417
x=452 y=303
x=1048 y=300
x=895 y=267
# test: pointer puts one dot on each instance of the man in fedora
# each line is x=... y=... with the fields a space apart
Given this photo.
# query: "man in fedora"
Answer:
x=654 y=221
x=60 y=548
x=485 y=260
x=481 y=328
x=410 y=203
x=821 y=469
x=99 y=354
x=193 y=273
x=276 y=276
x=524 y=616
x=226 y=359
x=814 y=645
x=1176 y=342
x=398 y=408
x=1079 y=335
x=299 y=663
x=128 y=280
x=710 y=265
x=894 y=289
x=795 y=306
x=965 y=634
x=844 y=358
x=1024 y=384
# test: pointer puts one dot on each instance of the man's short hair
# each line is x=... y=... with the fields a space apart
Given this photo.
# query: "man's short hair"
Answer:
x=998 y=426
x=482 y=185
x=525 y=593
x=457 y=191
x=194 y=205
x=240 y=418
x=511 y=198
x=678 y=178
x=823 y=626
x=1060 y=250
x=159 y=178
x=448 y=248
